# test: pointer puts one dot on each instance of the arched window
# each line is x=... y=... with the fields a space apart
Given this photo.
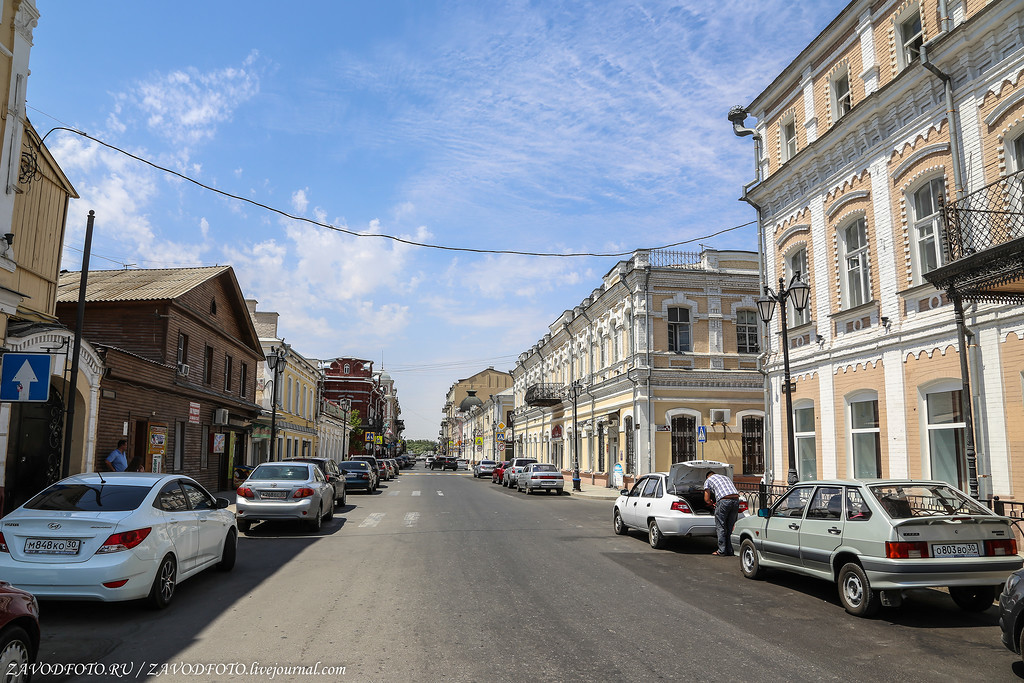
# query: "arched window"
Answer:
x=864 y=436
x=796 y=265
x=806 y=445
x=856 y=284
x=925 y=220
x=348 y=369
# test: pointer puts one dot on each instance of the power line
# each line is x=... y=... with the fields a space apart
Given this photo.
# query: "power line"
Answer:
x=393 y=238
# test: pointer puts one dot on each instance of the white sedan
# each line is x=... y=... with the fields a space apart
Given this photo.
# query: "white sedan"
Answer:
x=116 y=536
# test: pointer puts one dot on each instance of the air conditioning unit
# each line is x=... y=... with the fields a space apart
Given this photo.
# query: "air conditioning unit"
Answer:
x=183 y=369
x=719 y=416
x=220 y=416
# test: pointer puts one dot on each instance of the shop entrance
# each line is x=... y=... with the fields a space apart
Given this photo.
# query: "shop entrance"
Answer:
x=34 y=450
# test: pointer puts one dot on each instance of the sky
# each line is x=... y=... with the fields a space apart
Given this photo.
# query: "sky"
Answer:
x=540 y=126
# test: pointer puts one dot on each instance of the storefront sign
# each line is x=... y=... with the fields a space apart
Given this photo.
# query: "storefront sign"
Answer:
x=157 y=440
x=218 y=442
x=193 y=413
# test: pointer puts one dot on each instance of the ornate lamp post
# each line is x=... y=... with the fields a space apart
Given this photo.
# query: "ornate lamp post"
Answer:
x=799 y=292
x=276 y=359
x=576 y=387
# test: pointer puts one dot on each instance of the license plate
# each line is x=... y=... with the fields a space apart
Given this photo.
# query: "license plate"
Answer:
x=549 y=483
x=273 y=494
x=52 y=546
x=955 y=550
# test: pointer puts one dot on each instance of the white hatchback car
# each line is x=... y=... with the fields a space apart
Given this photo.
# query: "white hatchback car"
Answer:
x=116 y=536
x=666 y=504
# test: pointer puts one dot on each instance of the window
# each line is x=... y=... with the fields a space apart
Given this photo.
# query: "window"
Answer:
x=616 y=344
x=348 y=369
x=842 y=101
x=171 y=498
x=796 y=264
x=684 y=438
x=746 y=332
x=794 y=503
x=182 y=358
x=627 y=425
x=856 y=509
x=204 y=449
x=288 y=397
x=197 y=498
x=806 y=447
x=925 y=221
x=227 y=372
x=1016 y=154
x=827 y=503
x=179 y=446
x=678 y=329
x=243 y=379
x=865 y=439
x=651 y=488
x=857 y=280
x=911 y=37
x=787 y=134
x=946 y=435
x=753 y=445
x=208 y=366
x=604 y=352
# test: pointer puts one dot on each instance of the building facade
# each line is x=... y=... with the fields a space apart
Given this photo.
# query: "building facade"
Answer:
x=895 y=110
x=482 y=385
x=667 y=344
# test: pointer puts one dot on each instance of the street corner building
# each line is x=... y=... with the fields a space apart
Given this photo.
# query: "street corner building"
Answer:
x=889 y=167
x=658 y=365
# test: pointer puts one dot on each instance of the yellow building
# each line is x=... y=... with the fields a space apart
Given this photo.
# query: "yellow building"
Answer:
x=455 y=437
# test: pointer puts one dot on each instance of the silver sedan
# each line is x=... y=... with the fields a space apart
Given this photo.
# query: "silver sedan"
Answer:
x=285 y=491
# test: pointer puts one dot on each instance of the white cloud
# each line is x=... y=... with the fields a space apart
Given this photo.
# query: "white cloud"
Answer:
x=299 y=201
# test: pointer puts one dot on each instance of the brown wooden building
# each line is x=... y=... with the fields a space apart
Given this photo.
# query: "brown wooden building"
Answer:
x=180 y=352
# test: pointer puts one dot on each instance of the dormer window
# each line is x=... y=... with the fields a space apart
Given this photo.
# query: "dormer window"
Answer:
x=788 y=139
x=842 y=100
x=348 y=369
x=911 y=36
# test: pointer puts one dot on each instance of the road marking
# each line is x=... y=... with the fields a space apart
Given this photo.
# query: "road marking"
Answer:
x=393 y=493
x=411 y=518
x=372 y=520
x=415 y=493
x=440 y=493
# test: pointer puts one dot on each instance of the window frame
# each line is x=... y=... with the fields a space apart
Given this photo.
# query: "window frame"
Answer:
x=862 y=254
x=804 y=436
x=684 y=441
x=208 y=359
x=743 y=332
x=674 y=327
x=182 y=350
x=909 y=46
x=932 y=220
x=853 y=432
x=789 y=145
x=797 y=317
x=228 y=362
x=958 y=427
x=841 y=104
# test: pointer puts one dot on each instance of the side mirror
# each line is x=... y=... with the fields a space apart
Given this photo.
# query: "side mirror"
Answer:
x=222 y=503
x=624 y=492
x=764 y=512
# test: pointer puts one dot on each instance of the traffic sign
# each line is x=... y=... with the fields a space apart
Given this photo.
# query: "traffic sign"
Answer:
x=479 y=441
x=378 y=439
x=501 y=426
x=369 y=437
x=25 y=377
x=500 y=436
x=501 y=446
x=702 y=433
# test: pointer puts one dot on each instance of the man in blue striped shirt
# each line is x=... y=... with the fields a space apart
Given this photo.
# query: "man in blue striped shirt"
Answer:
x=720 y=492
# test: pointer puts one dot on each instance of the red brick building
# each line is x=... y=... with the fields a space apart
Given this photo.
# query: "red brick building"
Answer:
x=353 y=379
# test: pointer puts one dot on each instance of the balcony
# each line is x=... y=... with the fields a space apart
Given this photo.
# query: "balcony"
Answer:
x=544 y=395
x=984 y=243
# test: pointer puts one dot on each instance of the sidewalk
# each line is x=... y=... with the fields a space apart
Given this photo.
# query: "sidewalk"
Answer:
x=591 y=491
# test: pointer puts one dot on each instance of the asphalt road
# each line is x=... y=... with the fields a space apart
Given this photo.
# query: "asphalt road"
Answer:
x=446 y=577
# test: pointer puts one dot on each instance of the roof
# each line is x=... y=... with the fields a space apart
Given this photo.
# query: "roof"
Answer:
x=135 y=285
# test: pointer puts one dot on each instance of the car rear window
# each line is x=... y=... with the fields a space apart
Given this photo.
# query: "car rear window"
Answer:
x=361 y=466
x=282 y=471
x=544 y=468
x=906 y=502
x=89 y=498
x=488 y=462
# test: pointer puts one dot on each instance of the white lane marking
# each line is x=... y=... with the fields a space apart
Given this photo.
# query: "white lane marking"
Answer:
x=440 y=493
x=411 y=518
x=372 y=520
x=393 y=493
x=415 y=493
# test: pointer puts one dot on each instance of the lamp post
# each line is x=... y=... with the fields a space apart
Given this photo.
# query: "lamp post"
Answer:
x=576 y=386
x=277 y=359
x=800 y=292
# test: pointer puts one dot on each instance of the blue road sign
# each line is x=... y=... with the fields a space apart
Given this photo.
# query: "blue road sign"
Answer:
x=25 y=377
x=702 y=433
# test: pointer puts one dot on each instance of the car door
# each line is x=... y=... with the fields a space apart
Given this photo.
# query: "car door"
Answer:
x=645 y=508
x=325 y=489
x=629 y=513
x=181 y=523
x=782 y=530
x=338 y=478
x=212 y=524
x=822 y=529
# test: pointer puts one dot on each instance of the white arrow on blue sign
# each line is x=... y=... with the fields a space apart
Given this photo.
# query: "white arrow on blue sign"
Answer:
x=702 y=433
x=25 y=377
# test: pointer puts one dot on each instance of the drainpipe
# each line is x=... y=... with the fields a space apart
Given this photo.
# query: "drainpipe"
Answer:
x=954 y=141
x=944 y=20
x=963 y=334
x=648 y=337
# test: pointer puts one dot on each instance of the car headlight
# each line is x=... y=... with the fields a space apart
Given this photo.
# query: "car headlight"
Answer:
x=1011 y=583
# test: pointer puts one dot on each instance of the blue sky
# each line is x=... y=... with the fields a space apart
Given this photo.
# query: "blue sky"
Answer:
x=534 y=126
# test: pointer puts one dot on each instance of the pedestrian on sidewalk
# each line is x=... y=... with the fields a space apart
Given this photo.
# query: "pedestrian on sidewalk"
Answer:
x=117 y=461
x=722 y=494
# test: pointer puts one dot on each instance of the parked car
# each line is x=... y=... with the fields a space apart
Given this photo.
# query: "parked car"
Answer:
x=876 y=538
x=395 y=466
x=377 y=465
x=334 y=476
x=670 y=504
x=540 y=476
x=463 y=464
x=513 y=470
x=19 y=631
x=358 y=475
x=429 y=461
x=116 y=536
x=498 y=474
x=484 y=468
x=285 y=490
x=444 y=463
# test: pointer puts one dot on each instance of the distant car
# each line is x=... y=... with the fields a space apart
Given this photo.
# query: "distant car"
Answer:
x=19 y=631
x=540 y=476
x=484 y=468
x=377 y=465
x=670 y=504
x=444 y=463
x=116 y=536
x=498 y=473
x=429 y=460
x=358 y=476
x=334 y=476
x=513 y=470
x=463 y=464
x=876 y=538
x=285 y=490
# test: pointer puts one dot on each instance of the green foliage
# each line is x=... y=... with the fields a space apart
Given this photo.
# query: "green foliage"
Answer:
x=419 y=446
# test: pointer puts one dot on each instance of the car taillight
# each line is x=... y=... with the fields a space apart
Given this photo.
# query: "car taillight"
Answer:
x=906 y=550
x=124 y=540
x=245 y=492
x=681 y=506
x=1001 y=547
x=303 y=493
x=3 y=544
x=115 y=584
x=365 y=475
x=743 y=505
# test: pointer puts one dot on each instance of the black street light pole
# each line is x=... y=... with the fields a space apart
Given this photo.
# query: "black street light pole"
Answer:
x=766 y=307
x=575 y=439
x=276 y=360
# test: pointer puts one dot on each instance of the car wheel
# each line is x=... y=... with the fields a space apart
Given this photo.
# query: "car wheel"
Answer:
x=317 y=521
x=654 y=535
x=618 y=526
x=750 y=563
x=244 y=526
x=230 y=551
x=344 y=498
x=856 y=594
x=15 y=653
x=528 y=489
x=973 y=598
x=330 y=512
x=163 y=583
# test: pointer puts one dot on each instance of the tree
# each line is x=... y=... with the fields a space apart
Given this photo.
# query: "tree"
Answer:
x=420 y=446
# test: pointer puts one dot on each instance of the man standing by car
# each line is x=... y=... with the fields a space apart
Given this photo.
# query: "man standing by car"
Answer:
x=720 y=492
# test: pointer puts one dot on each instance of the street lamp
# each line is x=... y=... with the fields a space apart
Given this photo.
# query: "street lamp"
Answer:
x=800 y=292
x=576 y=387
x=276 y=359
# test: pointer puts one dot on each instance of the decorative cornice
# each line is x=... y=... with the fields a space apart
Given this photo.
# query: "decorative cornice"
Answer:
x=917 y=156
x=844 y=200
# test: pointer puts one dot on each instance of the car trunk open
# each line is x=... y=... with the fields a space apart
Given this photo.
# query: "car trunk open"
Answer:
x=686 y=480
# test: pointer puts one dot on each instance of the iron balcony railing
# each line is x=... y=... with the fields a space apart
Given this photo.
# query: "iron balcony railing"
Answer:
x=985 y=218
x=666 y=258
x=544 y=394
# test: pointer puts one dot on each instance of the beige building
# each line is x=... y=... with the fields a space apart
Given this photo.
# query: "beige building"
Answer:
x=666 y=345
x=897 y=108
x=454 y=437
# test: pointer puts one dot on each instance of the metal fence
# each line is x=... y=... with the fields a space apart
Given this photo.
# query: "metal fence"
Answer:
x=665 y=258
x=986 y=218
